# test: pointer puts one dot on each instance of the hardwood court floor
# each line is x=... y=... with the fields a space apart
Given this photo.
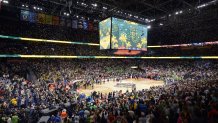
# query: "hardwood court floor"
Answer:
x=110 y=86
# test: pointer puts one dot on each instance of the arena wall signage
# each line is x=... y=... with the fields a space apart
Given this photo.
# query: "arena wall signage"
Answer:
x=43 y=18
x=94 y=44
x=104 y=57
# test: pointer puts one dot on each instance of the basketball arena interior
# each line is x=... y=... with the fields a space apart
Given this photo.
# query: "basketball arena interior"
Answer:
x=108 y=61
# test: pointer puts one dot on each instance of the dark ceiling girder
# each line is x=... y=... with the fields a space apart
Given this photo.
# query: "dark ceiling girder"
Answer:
x=113 y=7
x=109 y=12
x=57 y=3
x=54 y=9
x=152 y=6
x=191 y=6
x=157 y=6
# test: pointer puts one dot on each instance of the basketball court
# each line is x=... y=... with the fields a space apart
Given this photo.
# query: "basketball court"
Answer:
x=111 y=85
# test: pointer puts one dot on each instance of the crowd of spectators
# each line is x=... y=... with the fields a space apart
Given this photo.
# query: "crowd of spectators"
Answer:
x=30 y=48
x=9 y=46
x=190 y=98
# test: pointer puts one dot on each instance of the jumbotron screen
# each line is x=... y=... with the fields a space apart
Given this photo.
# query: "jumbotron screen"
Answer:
x=117 y=33
x=105 y=33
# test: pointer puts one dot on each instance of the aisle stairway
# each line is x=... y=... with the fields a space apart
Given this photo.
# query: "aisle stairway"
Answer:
x=31 y=76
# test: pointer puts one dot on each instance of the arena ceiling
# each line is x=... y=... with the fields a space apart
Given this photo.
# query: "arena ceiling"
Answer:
x=142 y=8
x=153 y=12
